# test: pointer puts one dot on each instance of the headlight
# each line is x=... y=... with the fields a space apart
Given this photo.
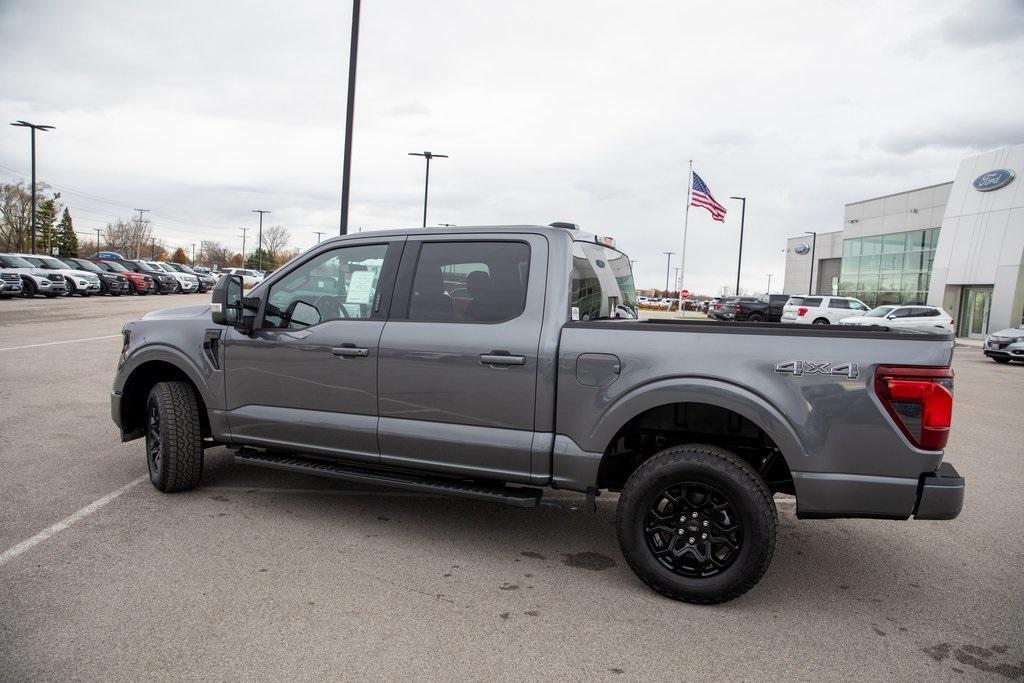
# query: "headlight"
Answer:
x=82 y=282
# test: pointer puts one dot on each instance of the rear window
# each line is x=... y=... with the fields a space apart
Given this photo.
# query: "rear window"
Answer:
x=809 y=301
x=602 y=283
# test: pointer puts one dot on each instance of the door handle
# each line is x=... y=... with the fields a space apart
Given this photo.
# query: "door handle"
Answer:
x=350 y=351
x=501 y=358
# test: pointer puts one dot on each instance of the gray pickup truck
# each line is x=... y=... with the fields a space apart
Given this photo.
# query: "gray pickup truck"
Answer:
x=492 y=362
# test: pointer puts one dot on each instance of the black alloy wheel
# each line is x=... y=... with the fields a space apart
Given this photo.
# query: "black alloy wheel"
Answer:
x=692 y=530
x=153 y=445
x=28 y=289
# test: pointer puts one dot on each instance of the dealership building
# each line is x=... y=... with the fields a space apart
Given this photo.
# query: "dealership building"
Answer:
x=958 y=245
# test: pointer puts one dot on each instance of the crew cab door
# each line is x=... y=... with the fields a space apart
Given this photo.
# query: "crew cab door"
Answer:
x=306 y=377
x=458 y=357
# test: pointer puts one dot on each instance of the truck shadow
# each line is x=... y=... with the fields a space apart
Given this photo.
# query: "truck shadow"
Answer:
x=817 y=563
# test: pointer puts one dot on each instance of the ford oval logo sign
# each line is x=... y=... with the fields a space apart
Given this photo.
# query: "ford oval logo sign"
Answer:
x=993 y=180
x=801 y=248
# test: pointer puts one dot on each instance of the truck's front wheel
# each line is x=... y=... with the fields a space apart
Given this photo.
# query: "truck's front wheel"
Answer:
x=174 y=449
x=696 y=523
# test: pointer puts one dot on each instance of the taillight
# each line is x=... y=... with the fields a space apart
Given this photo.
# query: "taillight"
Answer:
x=920 y=400
x=801 y=312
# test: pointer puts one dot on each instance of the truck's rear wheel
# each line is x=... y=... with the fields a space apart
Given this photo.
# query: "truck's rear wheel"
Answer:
x=696 y=523
x=174 y=449
x=755 y=317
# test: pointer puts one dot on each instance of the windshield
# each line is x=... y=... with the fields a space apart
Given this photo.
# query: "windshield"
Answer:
x=879 y=312
x=183 y=268
x=50 y=263
x=116 y=267
x=602 y=283
x=156 y=265
x=15 y=262
x=84 y=265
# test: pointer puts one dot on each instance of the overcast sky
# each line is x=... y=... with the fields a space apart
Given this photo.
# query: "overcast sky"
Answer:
x=581 y=111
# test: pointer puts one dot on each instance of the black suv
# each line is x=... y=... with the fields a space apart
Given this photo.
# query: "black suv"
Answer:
x=165 y=282
x=110 y=283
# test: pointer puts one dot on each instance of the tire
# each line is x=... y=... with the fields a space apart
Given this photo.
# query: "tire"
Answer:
x=1001 y=360
x=713 y=475
x=174 y=449
x=754 y=318
x=71 y=289
x=821 y=321
x=28 y=289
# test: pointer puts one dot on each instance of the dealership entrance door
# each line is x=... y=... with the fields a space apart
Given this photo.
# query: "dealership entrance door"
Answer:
x=975 y=304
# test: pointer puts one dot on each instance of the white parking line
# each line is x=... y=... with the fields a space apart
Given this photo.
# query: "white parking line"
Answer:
x=69 y=341
x=49 y=531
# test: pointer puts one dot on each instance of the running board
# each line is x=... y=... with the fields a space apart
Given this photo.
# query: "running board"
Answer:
x=517 y=497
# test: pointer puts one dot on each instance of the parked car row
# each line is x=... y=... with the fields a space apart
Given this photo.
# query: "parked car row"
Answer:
x=29 y=275
x=657 y=303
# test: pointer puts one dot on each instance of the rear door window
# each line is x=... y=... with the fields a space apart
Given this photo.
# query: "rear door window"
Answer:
x=839 y=303
x=470 y=282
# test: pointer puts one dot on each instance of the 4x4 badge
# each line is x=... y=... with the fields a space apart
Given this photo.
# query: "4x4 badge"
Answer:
x=814 y=367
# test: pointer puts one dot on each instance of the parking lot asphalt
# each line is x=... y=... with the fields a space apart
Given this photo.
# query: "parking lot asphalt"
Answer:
x=266 y=575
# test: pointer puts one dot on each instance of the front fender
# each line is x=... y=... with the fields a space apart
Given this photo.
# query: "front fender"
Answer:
x=201 y=375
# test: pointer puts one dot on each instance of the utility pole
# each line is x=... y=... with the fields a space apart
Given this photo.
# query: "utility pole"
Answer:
x=138 y=242
x=668 y=266
x=318 y=235
x=675 y=277
x=769 y=291
x=244 y=230
x=152 y=249
x=426 y=185
x=350 y=109
x=193 y=253
x=739 y=261
x=33 y=127
x=98 y=240
x=259 y=249
x=810 y=277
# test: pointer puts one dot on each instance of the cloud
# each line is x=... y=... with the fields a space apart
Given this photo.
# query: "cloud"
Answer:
x=983 y=23
x=409 y=109
x=973 y=136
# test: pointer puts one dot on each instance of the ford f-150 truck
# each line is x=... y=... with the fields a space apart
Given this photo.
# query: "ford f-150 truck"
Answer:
x=492 y=362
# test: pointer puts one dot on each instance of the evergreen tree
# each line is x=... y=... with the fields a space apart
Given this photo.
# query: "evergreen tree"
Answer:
x=67 y=240
x=46 y=216
x=252 y=261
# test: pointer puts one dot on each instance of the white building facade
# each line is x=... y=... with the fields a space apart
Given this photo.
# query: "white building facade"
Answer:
x=959 y=245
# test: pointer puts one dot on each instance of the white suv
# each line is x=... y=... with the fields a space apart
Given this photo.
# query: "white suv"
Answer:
x=914 y=317
x=809 y=309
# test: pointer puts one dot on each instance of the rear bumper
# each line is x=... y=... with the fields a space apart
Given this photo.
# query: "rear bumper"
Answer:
x=941 y=495
x=935 y=495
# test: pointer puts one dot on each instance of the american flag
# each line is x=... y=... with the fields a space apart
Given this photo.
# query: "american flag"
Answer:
x=701 y=196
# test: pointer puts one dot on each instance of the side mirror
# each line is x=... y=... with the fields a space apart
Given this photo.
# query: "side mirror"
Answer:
x=226 y=307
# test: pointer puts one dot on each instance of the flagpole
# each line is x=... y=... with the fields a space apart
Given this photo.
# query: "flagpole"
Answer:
x=686 y=225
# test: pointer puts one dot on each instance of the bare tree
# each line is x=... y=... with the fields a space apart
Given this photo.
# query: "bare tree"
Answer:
x=275 y=241
x=16 y=216
x=213 y=253
x=129 y=238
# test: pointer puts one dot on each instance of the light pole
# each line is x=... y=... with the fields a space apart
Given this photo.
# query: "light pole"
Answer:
x=675 y=278
x=244 y=230
x=426 y=185
x=259 y=249
x=33 y=127
x=193 y=254
x=350 y=110
x=138 y=239
x=739 y=261
x=668 y=266
x=769 y=290
x=810 y=277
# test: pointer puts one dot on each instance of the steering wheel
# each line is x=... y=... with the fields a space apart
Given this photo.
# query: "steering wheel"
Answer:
x=328 y=302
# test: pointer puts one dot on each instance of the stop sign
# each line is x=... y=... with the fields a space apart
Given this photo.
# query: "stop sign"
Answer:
x=684 y=294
